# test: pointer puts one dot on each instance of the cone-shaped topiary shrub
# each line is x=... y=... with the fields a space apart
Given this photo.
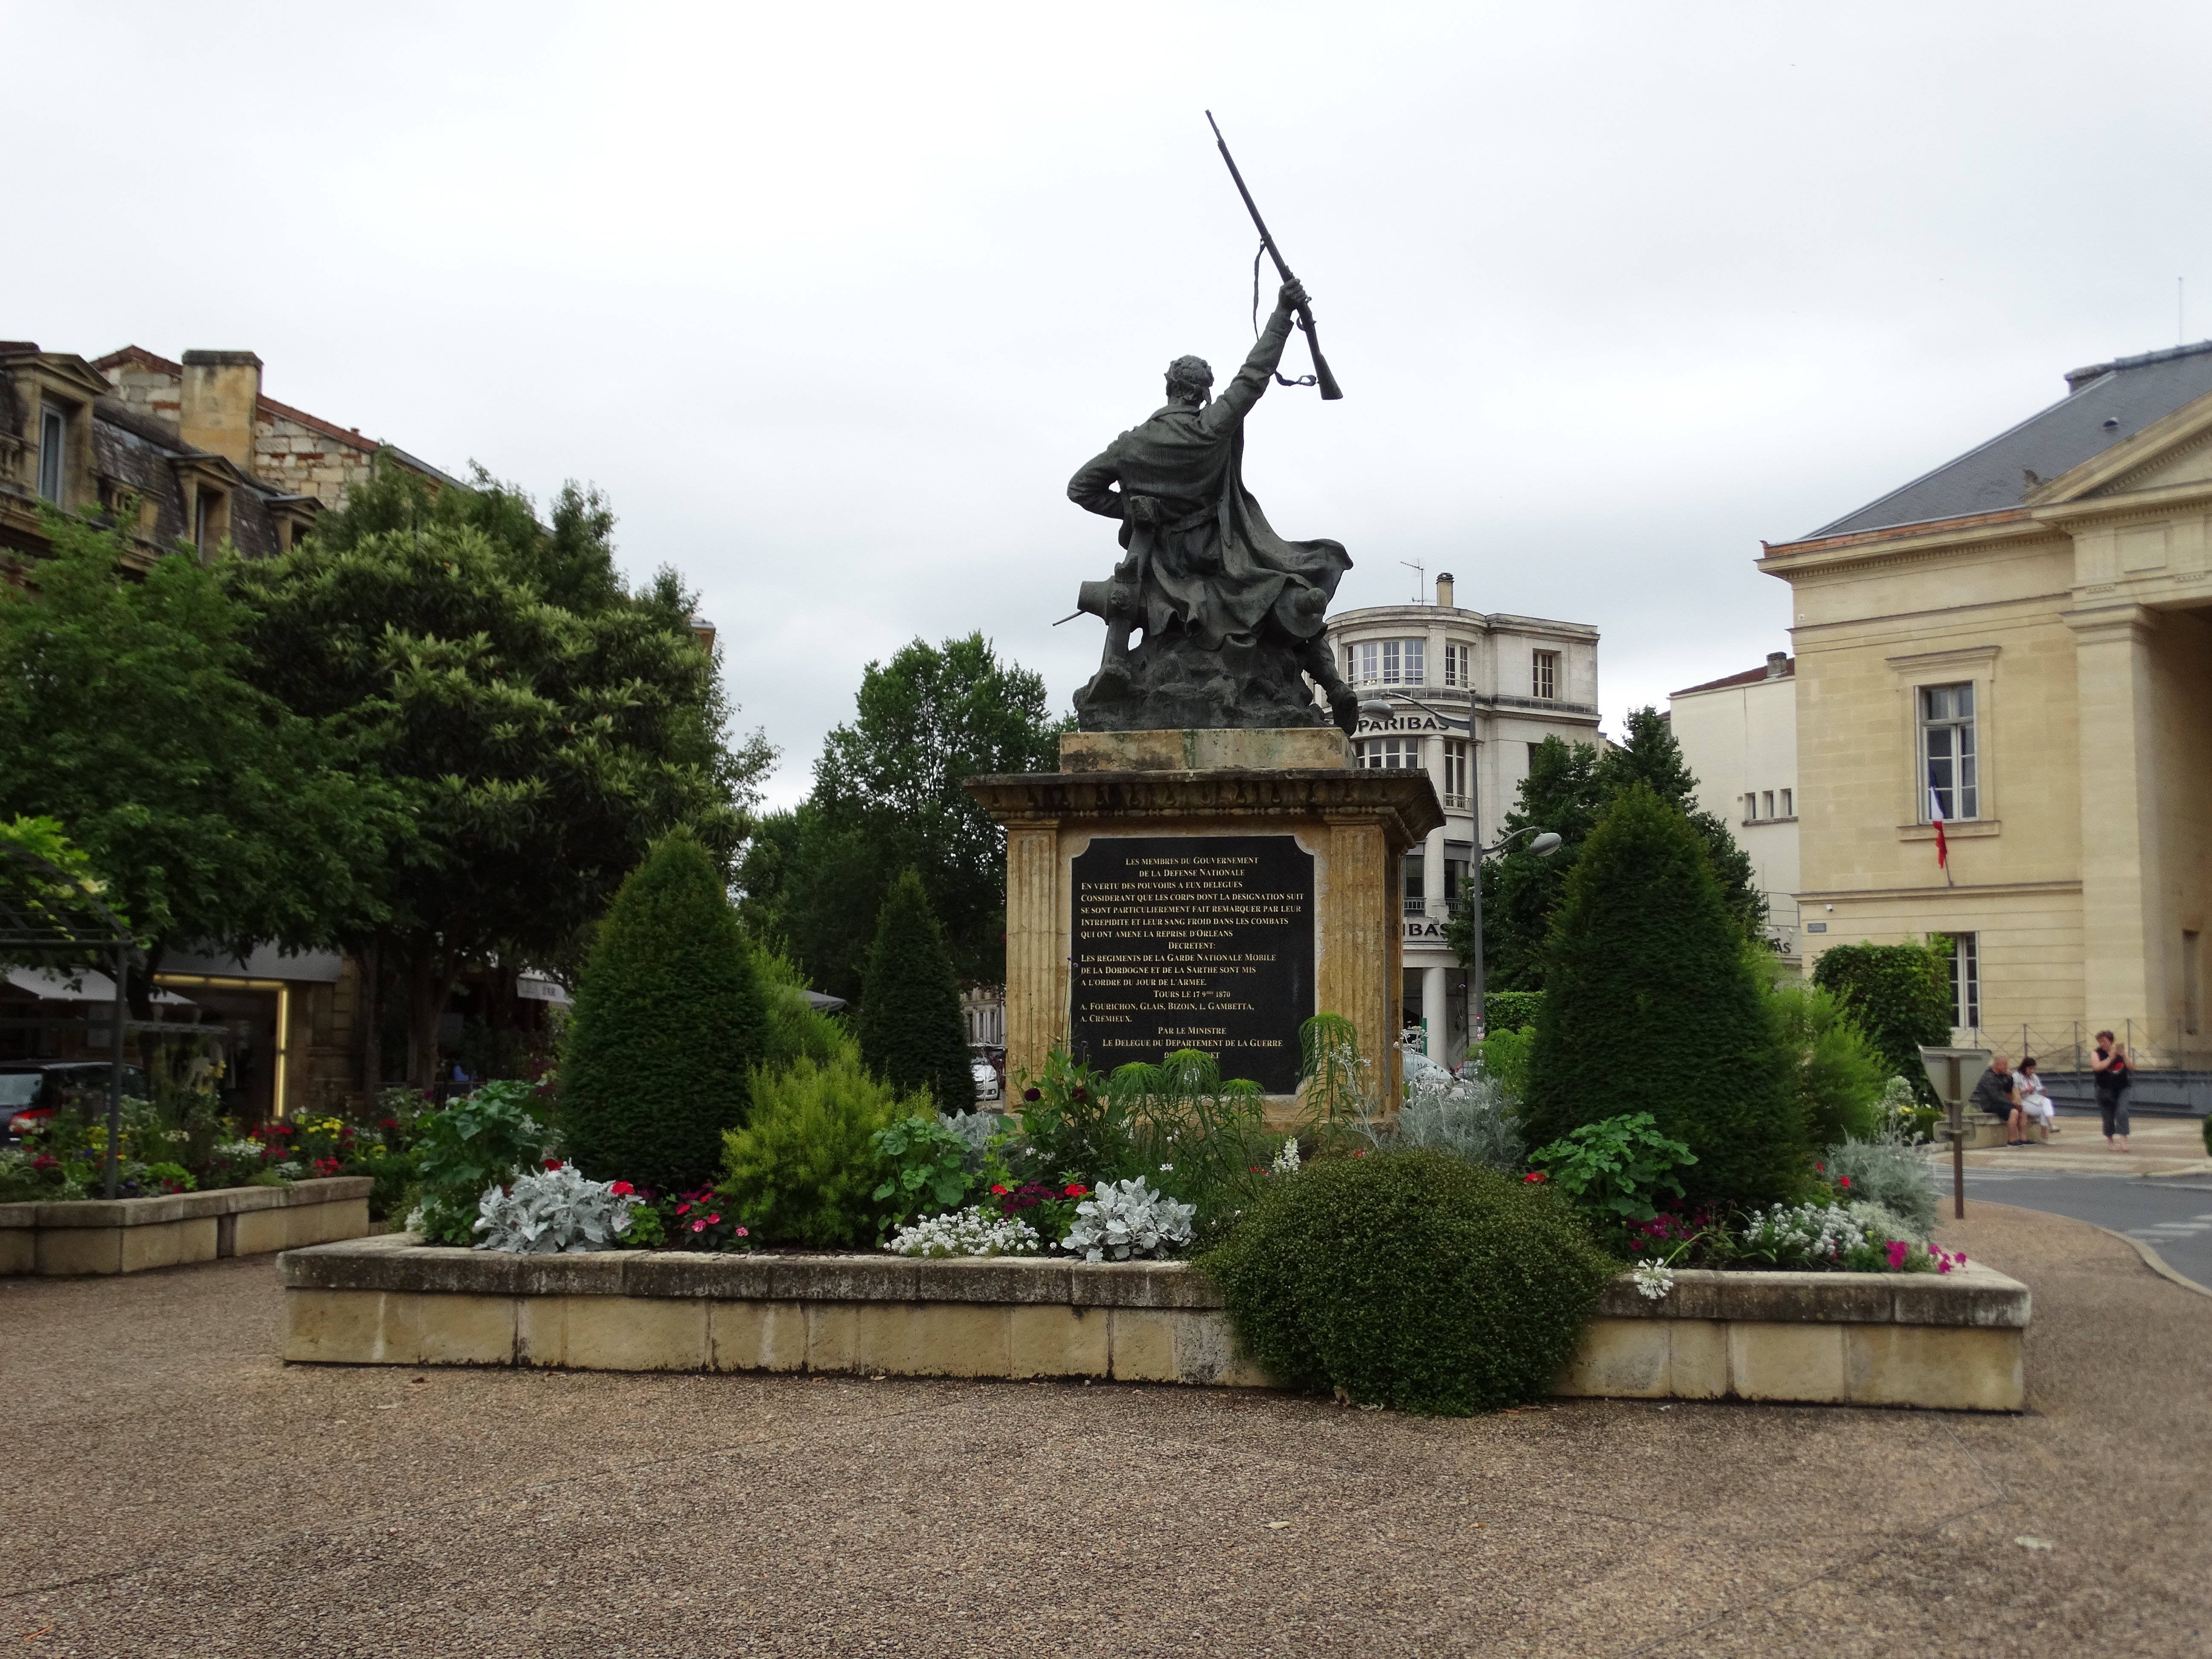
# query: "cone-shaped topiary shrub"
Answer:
x=669 y=1015
x=1410 y=1279
x=912 y=1034
x=1652 y=1004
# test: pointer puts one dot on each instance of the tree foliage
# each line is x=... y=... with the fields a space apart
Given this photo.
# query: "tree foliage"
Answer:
x=1900 y=995
x=911 y=1031
x=1568 y=788
x=1653 y=1002
x=542 y=722
x=887 y=797
x=210 y=810
x=1838 y=1073
x=670 y=1016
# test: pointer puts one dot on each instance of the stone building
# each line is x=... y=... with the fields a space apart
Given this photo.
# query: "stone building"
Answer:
x=1472 y=694
x=1739 y=737
x=193 y=456
x=2022 y=642
x=189 y=454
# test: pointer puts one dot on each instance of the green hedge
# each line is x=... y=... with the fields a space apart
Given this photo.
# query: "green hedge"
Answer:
x=1900 y=995
x=670 y=1014
x=1510 y=1010
x=1410 y=1279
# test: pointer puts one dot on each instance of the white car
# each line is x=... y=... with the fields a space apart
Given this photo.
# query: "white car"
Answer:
x=986 y=1078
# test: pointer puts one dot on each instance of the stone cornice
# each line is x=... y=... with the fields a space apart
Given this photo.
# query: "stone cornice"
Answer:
x=1978 y=538
x=1406 y=800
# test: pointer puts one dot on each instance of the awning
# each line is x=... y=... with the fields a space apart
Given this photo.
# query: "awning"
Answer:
x=87 y=986
x=824 y=1003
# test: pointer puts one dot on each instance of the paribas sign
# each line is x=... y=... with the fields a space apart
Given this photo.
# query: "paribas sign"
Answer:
x=1407 y=723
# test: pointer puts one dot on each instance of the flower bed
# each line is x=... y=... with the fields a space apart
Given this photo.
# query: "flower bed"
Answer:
x=130 y=1235
x=1951 y=1341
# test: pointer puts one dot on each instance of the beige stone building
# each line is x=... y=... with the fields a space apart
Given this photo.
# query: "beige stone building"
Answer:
x=1739 y=737
x=1471 y=693
x=2022 y=639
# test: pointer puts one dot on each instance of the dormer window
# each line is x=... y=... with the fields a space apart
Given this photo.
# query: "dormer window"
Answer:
x=53 y=439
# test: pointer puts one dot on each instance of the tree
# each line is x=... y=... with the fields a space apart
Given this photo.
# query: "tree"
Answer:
x=210 y=811
x=544 y=723
x=887 y=797
x=1900 y=996
x=912 y=1035
x=1839 y=1076
x=1654 y=1003
x=1567 y=789
x=670 y=1014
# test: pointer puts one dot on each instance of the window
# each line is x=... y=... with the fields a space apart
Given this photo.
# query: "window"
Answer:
x=53 y=434
x=1766 y=801
x=1454 y=773
x=1390 y=662
x=1416 y=883
x=1395 y=754
x=1946 y=748
x=1413 y=669
x=1456 y=666
x=1544 y=674
x=1751 y=806
x=1456 y=880
x=1788 y=807
x=1966 y=981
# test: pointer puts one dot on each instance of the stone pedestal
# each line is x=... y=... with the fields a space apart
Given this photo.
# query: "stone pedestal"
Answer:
x=1205 y=889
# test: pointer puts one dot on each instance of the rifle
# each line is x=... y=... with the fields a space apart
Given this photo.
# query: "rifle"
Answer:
x=1330 y=391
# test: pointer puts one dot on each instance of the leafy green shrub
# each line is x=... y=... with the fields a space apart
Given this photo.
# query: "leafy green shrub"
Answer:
x=1410 y=1279
x=1510 y=1010
x=1900 y=996
x=1504 y=1056
x=1838 y=1075
x=1886 y=1171
x=804 y=1168
x=928 y=1170
x=392 y=1173
x=1071 y=1125
x=1612 y=1171
x=912 y=1033
x=1653 y=1004
x=483 y=1141
x=1195 y=1135
x=669 y=1017
x=795 y=1025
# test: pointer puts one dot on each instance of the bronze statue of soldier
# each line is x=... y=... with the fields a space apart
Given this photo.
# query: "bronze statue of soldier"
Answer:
x=1232 y=613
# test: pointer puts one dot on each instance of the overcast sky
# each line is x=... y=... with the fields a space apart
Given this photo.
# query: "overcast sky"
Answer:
x=831 y=299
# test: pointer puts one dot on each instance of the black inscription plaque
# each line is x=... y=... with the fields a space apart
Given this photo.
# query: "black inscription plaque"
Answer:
x=1194 y=942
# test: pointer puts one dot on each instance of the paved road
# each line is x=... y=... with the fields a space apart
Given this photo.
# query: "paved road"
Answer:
x=2174 y=1218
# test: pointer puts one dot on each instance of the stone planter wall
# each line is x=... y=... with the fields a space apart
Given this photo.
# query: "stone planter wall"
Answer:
x=133 y=1234
x=1875 y=1338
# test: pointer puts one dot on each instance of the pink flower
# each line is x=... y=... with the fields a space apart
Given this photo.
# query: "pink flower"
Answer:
x=742 y=1233
x=698 y=1226
x=714 y=1217
x=622 y=1190
x=1897 y=1253
x=684 y=1209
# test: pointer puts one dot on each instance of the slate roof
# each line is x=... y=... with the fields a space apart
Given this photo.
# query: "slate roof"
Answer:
x=2106 y=403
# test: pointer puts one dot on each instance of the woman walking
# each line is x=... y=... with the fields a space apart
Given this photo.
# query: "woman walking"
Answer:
x=2109 y=1063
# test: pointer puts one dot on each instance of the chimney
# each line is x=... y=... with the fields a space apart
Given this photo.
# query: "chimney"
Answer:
x=217 y=402
x=1777 y=664
x=1444 y=590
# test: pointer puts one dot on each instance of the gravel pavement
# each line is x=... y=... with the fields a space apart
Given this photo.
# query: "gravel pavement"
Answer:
x=178 y=1491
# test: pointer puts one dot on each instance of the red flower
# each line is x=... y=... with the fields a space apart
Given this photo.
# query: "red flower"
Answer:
x=1000 y=1189
x=698 y=1226
x=1846 y=1181
x=552 y=1163
x=684 y=1209
x=1532 y=1177
x=1077 y=1191
x=714 y=1217
x=622 y=1190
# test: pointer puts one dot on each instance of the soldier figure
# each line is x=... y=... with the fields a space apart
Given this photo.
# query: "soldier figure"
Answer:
x=1232 y=613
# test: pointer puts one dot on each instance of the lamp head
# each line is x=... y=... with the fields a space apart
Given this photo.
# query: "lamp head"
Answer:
x=1375 y=708
x=1544 y=845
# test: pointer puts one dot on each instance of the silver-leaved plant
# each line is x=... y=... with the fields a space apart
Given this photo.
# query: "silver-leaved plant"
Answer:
x=1124 y=1221
x=554 y=1211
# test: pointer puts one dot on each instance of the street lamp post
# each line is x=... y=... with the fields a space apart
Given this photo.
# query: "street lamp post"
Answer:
x=1545 y=844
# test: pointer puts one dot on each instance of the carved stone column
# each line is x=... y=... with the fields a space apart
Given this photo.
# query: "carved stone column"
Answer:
x=2122 y=961
x=1036 y=971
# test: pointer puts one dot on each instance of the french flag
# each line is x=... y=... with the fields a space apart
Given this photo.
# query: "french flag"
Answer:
x=1936 y=818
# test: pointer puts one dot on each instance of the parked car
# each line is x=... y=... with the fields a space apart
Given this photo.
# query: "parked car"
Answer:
x=33 y=1091
x=987 y=1086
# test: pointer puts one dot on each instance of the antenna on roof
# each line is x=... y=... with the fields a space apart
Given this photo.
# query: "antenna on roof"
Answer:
x=1420 y=577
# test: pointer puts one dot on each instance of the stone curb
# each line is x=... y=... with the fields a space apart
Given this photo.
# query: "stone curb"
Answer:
x=183 y=1207
x=2154 y=1261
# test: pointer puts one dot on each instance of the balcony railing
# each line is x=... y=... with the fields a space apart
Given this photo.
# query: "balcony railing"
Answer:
x=1417 y=907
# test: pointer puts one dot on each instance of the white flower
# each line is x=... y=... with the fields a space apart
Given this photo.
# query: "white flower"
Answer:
x=972 y=1231
x=1654 y=1279
x=1286 y=1161
x=1167 y=1169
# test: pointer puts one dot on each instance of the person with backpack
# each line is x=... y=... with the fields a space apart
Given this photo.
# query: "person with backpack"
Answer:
x=2110 y=1064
